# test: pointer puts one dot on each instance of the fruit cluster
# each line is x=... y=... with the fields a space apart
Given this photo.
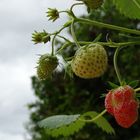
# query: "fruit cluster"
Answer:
x=121 y=103
x=89 y=62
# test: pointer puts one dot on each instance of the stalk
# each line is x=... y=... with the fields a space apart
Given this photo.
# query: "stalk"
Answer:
x=109 y=26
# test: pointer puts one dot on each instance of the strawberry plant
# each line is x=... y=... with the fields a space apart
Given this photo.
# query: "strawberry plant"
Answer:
x=90 y=61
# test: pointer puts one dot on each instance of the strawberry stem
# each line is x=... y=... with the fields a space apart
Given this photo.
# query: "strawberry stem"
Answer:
x=95 y=118
x=109 y=26
x=55 y=35
x=67 y=44
x=73 y=34
x=137 y=89
x=112 y=44
x=67 y=40
x=76 y=4
x=53 y=43
x=116 y=66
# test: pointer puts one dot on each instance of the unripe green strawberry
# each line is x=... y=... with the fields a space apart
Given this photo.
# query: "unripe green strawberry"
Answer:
x=90 y=61
x=46 y=65
x=93 y=4
x=121 y=103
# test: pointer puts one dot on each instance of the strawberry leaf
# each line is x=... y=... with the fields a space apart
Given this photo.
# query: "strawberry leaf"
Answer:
x=129 y=8
x=101 y=122
x=62 y=125
x=57 y=121
x=66 y=130
x=66 y=125
x=103 y=95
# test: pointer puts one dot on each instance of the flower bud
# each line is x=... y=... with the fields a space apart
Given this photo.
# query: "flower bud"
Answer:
x=40 y=37
x=53 y=14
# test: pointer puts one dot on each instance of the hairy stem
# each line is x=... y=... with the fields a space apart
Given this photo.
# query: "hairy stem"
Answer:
x=116 y=66
x=137 y=89
x=111 y=44
x=53 y=41
x=95 y=118
x=71 y=9
x=109 y=26
x=63 y=47
x=73 y=34
x=64 y=38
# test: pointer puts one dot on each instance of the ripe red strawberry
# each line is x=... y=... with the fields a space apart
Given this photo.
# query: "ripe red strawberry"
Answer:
x=122 y=105
x=127 y=113
x=108 y=103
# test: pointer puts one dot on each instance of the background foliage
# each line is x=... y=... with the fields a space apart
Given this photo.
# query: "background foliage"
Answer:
x=72 y=96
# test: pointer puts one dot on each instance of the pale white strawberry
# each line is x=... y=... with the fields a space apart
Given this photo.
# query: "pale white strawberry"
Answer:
x=90 y=61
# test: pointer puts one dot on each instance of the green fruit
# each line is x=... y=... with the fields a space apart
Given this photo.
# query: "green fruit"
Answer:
x=93 y=4
x=46 y=65
x=90 y=61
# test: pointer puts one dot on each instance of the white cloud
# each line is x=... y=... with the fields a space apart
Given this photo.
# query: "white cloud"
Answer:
x=15 y=94
x=8 y=136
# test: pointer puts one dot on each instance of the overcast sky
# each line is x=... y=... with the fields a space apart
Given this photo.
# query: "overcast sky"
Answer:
x=18 y=19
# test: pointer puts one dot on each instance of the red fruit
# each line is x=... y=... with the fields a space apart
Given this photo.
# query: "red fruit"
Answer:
x=108 y=103
x=127 y=114
x=122 y=105
x=125 y=93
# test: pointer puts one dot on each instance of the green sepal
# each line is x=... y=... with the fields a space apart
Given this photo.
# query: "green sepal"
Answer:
x=112 y=85
x=137 y=95
x=52 y=14
x=98 y=38
x=134 y=83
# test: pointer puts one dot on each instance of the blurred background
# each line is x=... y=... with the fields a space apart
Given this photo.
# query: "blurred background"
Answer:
x=24 y=100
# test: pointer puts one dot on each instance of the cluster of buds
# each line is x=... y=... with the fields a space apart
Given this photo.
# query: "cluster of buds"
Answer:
x=53 y=14
x=40 y=37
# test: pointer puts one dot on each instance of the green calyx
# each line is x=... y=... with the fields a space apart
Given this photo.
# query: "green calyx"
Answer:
x=53 y=14
x=40 y=37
